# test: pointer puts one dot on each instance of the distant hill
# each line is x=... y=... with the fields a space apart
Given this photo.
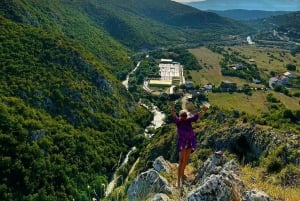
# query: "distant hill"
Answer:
x=138 y=24
x=159 y=23
x=240 y=14
x=287 y=25
x=266 y=5
x=69 y=19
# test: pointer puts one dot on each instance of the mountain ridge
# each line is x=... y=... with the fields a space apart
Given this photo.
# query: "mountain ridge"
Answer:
x=267 y=5
x=126 y=21
x=240 y=14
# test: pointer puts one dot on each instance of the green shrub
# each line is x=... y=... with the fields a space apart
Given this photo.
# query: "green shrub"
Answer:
x=274 y=165
x=290 y=176
x=276 y=160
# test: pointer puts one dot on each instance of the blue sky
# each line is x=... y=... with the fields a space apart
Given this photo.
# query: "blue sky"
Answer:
x=270 y=5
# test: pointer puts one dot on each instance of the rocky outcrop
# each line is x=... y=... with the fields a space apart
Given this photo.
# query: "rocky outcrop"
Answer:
x=255 y=195
x=147 y=184
x=161 y=165
x=217 y=180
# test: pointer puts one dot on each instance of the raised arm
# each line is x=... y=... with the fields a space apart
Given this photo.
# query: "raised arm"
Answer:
x=202 y=111
x=172 y=110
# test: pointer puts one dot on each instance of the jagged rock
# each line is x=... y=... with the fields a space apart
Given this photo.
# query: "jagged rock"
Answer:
x=147 y=184
x=161 y=197
x=255 y=195
x=211 y=166
x=231 y=166
x=214 y=188
x=217 y=180
x=161 y=165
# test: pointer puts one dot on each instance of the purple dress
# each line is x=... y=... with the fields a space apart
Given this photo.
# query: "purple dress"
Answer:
x=186 y=136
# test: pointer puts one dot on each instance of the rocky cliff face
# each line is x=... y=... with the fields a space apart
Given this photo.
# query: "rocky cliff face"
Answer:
x=217 y=180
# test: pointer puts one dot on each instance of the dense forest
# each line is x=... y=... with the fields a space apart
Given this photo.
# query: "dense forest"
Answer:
x=140 y=25
x=65 y=120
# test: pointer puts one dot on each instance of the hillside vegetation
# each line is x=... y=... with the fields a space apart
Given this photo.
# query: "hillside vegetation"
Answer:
x=240 y=14
x=65 y=120
x=68 y=19
x=137 y=24
x=289 y=23
x=286 y=25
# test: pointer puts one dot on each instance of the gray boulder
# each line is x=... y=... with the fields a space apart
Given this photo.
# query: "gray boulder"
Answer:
x=256 y=195
x=161 y=165
x=214 y=188
x=217 y=180
x=161 y=197
x=146 y=185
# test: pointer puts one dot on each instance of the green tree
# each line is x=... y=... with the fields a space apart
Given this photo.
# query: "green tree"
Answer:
x=291 y=67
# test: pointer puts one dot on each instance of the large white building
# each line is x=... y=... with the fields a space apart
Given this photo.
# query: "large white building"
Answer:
x=169 y=70
x=171 y=73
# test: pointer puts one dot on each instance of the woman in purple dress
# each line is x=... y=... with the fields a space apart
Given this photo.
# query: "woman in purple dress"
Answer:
x=186 y=140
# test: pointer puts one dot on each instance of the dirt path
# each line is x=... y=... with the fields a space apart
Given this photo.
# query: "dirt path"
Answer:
x=184 y=101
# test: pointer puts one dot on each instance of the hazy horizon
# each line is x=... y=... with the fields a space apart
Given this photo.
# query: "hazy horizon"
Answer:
x=266 y=5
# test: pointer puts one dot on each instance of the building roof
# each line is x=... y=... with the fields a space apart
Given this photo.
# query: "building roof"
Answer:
x=166 y=60
x=160 y=82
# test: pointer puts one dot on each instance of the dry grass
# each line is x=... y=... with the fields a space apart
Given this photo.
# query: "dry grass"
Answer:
x=254 y=104
x=267 y=60
x=291 y=103
x=206 y=57
x=252 y=178
x=211 y=72
x=270 y=59
x=214 y=76
x=211 y=68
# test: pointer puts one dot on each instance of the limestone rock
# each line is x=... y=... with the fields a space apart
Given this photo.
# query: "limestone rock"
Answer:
x=147 y=184
x=212 y=165
x=218 y=180
x=255 y=195
x=214 y=188
x=161 y=165
x=161 y=197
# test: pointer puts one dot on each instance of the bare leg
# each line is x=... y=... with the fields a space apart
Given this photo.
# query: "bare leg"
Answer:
x=184 y=156
x=185 y=159
x=187 y=153
x=180 y=166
